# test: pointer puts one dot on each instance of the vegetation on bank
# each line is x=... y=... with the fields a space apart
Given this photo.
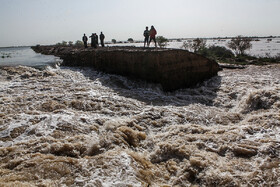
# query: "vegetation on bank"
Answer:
x=240 y=44
x=162 y=41
x=130 y=40
x=78 y=43
x=224 y=55
x=236 y=54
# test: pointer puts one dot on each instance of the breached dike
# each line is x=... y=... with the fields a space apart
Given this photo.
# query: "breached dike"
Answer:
x=172 y=68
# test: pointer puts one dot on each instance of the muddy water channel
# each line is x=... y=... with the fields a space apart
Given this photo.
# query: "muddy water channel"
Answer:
x=79 y=127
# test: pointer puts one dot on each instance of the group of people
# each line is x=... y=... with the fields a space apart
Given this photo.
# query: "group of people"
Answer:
x=149 y=36
x=94 y=40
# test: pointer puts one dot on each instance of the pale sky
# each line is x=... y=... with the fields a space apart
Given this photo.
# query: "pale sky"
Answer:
x=31 y=22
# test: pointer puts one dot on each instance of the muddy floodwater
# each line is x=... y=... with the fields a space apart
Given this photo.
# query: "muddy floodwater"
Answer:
x=80 y=127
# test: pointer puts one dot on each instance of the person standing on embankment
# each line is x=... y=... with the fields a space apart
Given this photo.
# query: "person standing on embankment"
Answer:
x=85 y=39
x=102 y=37
x=146 y=34
x=93 y=40
x=153 y=34
x=96 y=39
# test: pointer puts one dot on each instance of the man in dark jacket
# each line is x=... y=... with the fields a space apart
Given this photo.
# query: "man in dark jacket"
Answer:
x=146 y=35
x=101 y=36
x=85 y=39
x=93 y=40
x=96 y=39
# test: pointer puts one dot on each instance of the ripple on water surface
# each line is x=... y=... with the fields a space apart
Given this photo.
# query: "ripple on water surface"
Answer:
x=25 y=56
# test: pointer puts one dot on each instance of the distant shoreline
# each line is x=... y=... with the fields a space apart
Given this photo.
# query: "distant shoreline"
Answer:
x=190 y=38
x=15 y=47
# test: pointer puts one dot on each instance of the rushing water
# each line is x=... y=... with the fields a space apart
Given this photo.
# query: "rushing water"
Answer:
x=79 y=127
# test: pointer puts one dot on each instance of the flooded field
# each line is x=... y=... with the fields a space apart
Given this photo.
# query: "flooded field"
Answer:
x=80 y=127
x=263 y=47
x=25 y=56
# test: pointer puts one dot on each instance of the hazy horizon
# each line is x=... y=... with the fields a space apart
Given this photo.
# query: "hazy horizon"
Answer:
x=31 y=22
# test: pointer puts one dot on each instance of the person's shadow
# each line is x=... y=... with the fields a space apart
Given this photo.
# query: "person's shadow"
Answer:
x=150 y=93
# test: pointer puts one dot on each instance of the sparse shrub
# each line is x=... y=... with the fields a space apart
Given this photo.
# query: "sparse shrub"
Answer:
x=195 y=45
x=216 y=52
x=198 y=44
x=64 y=43
x=240 y=44
x=162 y=41
x=187 y=45
x=114 y=41
x=79 y=43
x=130 y=40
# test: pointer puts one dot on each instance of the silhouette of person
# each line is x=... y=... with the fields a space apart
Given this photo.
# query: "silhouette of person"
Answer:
x=96 y=39
x=85 y=39
x=101 y=36
x=146 y=35
x=93 y=40
x=153 y=34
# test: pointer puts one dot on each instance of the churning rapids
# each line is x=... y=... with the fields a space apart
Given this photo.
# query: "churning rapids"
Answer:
x=79 y=127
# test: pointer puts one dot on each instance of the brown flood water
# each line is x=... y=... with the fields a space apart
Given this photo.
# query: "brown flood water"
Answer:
x=78 y=127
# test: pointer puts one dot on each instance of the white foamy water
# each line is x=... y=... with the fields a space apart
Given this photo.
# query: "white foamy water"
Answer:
x=80 y=127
